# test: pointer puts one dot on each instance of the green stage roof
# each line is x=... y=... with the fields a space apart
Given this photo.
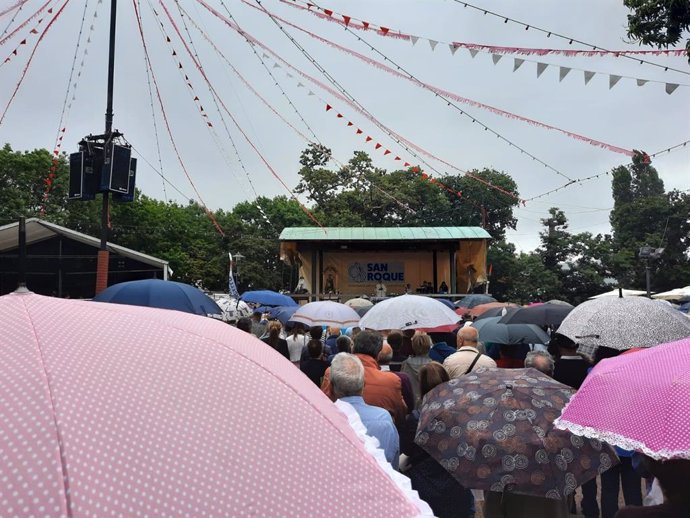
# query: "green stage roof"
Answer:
x=382 y=233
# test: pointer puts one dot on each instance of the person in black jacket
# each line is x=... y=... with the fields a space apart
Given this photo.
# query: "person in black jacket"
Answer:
x=274 y=340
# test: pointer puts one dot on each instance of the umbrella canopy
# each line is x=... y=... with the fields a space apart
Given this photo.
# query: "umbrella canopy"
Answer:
x=493 y=429
x=447 y=303
x=267 y=298
x=363 y=310
x=123 y=410
x=497 y=312
x=282 y=313
x=359 y=302
x=638 y=402
x=623 y=323
x=617 y=293
x=482 y=308
x=679 y=294
x=491 y=330
x=233 y=309
x=157 y=293
x=408 y=312
x=543 y=315
x=469 y=301
x=326 y=313
x=561 y=302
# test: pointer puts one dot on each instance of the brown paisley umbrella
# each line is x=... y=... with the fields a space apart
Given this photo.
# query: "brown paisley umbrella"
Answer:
x=493 y=430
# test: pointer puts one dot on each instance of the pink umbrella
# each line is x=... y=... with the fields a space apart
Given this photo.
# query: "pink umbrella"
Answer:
x=637 y=401
x=114 y=410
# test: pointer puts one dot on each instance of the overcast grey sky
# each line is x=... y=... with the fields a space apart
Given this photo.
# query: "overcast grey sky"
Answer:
x=628 y=116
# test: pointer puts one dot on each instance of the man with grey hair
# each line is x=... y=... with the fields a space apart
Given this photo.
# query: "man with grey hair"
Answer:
x=468 y=357
x=347 y=383
x=540 y=360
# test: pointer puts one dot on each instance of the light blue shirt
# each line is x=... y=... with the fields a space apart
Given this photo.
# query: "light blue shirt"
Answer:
x=379 y=424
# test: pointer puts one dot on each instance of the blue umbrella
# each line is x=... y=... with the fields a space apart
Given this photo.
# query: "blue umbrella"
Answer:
x=475 y=299
x=156 y=293
x=282 y=313
x=267 y=298
x=448 y=303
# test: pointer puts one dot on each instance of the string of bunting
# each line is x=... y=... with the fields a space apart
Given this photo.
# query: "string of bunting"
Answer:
x=12 y=7
x=67 y=103
x=235 y=122
x=450 y=95
x=31 y=57
x=19 y=27
x=25 y=40
x=147 y=59
x=646 y=159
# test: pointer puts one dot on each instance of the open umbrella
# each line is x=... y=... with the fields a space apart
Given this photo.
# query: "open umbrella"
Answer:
x=267 y=298
x=469 y=301
x=282 y=313
x=492 y=331
x=497 y=312
x=679 y=294
x=233 y=309
x=637 y=401
x=617 y=293
x=493 y=429
x=448 y=303
x=359 y=302
x=482 y=308
x=114 y=410
x=157 y=293
x=622 y=323
x=543 y=315
x=408 y=312
x=326 y=313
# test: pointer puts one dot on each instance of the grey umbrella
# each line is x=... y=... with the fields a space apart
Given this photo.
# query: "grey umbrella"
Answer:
x=491 y=331
x=623 y=323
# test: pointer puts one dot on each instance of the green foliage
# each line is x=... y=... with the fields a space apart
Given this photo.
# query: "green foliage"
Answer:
x=658 y=22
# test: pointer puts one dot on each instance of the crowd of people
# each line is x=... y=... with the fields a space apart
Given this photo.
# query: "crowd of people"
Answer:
x=386 y=376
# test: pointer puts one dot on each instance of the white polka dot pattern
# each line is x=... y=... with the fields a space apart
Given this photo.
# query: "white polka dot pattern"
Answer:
x=638 y=401
x=162 y=413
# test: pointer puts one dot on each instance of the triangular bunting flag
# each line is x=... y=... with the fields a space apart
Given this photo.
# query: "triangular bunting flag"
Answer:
x=384 y=30
x=365 y=25
x=496 y=58
x=289 y=75
x=641 y=82
x=265 y=56
x=473 y=52
x=613 y=80
x=174 y=53
x=397 y=158
x=196 y=98
x=346 y=19
x=311 y=93
x=588 y=76
x=300 y=85
x=433 y=44
x=453 y=48
x=387 y=152
x=349 y=123
x=329 y=107
x=328 y=12
x=670 y=88
x=34 y=31
x=562 y=73
x=340 y=115
x=540 y=68
x=276 y=65
x=406 y=164
x=377 y=146
x=414 y=39
x=50 y=11
x=359 y=131
x=517 y=63
x=369 y=139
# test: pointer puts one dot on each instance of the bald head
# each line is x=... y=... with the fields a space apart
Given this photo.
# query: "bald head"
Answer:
x=467 y=336
x=386 y=354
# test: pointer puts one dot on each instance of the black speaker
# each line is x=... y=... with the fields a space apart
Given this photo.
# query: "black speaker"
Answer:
x=116 y=167
x=129 y=196
x=82 y=178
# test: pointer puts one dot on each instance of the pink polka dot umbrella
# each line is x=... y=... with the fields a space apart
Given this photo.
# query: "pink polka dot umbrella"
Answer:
x=637 y=401
x=114 y=410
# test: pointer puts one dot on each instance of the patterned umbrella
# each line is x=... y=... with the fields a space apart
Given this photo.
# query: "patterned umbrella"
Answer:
x=637 y=401
x=326 y=313
x=622 y=323
x=493 y=430
x=114 y=410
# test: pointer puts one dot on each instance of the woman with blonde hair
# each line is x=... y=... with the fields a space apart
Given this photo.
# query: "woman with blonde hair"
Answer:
x=421 y=344
x=274 y=340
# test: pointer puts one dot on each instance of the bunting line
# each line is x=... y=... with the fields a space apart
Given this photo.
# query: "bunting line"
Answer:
x=11 y=8
x=19 y=27
x=15 y=52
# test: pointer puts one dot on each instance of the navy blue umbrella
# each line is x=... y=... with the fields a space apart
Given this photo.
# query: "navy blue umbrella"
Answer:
x=156 y=293
x=475 y=299
x=282 y=313
x=448 y=303
x=267 y=298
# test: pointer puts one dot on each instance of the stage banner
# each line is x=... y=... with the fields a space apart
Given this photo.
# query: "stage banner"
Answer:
x=370 y=272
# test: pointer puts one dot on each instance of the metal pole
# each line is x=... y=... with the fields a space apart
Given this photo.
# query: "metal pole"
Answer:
x=21 y=280
x=103 y=255
x=647 y=275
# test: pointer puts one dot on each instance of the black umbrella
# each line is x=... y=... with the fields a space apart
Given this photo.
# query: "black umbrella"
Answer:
x=490 y=330
x=497 y=312
x=541 y=315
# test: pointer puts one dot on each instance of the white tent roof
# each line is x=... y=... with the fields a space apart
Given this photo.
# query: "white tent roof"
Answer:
x=677 y=294
x=616 y=293
x=38 y=230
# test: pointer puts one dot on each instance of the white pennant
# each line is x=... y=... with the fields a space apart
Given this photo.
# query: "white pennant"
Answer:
x=414 y=39
x=276 y=65
x=613 y=80
x=588 y=76
x=473 y=52
x=265 y=56
x=289 y=75
x=517 y=63
x=453 y=48
x=496 y=58
x=670 y=88
x=310 y=93
x=433 y=44
x=540 y=68
x=563 y=72
x=641 y=82
x=300 y=85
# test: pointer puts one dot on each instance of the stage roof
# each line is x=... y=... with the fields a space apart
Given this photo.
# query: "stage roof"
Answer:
x=382 y=233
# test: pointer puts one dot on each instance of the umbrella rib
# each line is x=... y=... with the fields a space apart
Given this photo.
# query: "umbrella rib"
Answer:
x=63 y=460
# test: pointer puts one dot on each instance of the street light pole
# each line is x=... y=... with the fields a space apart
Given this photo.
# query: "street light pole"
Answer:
x=103 y=254
x=648 y=278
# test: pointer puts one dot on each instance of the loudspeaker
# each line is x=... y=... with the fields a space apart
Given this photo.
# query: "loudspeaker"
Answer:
x=116 y=167
x=129 y=196
x=82 y=178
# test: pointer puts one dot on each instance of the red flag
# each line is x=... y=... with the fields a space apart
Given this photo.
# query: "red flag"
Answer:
x=328 y=12
x=196 y=98
x=340 y=115
x=63 y=130
x=369 y=139
x=329 y=107
x=50 y=10
x=366 y=25
x=209 y=124
x=359 y=131
x=377 y=145
x=349 y=123
x=387 y=152
x=34 y=31
x=406 y=164
x=346 y=19
x=384 y=30
x=309 y=6
x=459 y=193
x=397 y=158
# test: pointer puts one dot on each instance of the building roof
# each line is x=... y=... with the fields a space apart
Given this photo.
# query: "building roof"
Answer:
x=38 y=230
x=382 y=233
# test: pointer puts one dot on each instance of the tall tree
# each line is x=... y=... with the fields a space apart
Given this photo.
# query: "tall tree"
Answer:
x=659 y=22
